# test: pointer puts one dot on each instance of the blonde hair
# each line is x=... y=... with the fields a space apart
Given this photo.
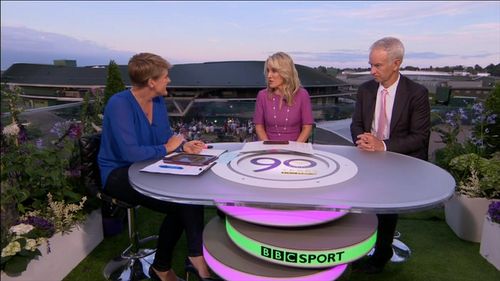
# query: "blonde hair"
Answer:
x=145 y=66
x=284 y=65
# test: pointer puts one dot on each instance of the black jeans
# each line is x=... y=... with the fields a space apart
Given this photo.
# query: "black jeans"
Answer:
x=179 y=217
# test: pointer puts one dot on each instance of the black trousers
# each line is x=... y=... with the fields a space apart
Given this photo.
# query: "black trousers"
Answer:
x=385 y=234
x=179 y=217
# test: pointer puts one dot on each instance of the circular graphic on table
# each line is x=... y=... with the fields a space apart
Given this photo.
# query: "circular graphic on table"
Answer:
x=283 y=169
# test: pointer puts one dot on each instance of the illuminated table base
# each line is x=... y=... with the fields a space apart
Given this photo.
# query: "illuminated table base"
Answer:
x=280 y=217
x=231 y=263
x=238 y=250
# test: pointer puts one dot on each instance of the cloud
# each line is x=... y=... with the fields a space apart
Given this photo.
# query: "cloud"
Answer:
x=331 y=57
x=358 y=58
x=400 y=12
x=425 y=55
x=21 y=44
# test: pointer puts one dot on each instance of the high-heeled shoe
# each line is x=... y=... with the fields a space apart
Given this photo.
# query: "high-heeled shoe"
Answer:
x=155 y=277
x=189 y=268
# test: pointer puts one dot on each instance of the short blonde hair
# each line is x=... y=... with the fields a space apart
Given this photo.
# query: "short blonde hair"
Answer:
x=145 y=66
x=284 y=65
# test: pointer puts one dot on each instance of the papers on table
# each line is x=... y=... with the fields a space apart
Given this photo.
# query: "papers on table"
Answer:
x=291 y=146
x=214 y=152
x=176 y=169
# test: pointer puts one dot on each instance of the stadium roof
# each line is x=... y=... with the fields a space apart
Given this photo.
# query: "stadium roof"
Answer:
x=230 y=74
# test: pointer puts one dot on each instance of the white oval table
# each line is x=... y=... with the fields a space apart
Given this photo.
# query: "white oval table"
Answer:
x=318 y=190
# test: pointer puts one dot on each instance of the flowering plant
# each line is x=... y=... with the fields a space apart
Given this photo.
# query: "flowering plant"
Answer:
x=477 y=176
x=494 y=211
x=33 y=229
x=34 y=170
x=21 y=243
x=470 y=153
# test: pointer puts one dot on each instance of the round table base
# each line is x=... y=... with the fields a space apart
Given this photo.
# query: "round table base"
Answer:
x=231 y=263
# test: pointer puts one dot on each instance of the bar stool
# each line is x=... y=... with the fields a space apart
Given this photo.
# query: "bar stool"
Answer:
x=134 y=262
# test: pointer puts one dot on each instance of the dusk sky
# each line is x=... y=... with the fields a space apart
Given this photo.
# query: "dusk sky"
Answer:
x=332 y=34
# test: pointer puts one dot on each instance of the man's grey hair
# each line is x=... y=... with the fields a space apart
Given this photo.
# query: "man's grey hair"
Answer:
x=393 y=47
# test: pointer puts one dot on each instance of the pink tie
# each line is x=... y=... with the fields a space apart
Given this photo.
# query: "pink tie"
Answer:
x=382 y=118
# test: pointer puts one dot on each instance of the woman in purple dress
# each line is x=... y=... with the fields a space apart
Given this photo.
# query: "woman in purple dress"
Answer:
x=283 y=110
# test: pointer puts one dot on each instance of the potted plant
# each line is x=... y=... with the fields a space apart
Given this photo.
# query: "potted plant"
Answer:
x=469 y=155
x=42 y=195
x=490 y=248
x=478 y=184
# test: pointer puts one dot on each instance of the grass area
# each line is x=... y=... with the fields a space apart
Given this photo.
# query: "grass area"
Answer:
x=437 y=253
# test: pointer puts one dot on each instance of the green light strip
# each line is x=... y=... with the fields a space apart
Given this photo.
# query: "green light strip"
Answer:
x=297 y=258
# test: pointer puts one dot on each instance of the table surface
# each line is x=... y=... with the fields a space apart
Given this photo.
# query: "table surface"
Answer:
x=385 y=182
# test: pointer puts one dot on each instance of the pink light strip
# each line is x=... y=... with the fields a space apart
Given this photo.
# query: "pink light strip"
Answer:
x=228 y=273
x=276 y=217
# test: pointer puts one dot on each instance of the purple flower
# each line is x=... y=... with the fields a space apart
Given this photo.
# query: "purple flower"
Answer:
x=462 y=114
x=450 y=118
x=74 y=131
x=23 y=135
x=491 y=119
x=478 y=108
x=57 y=129
x=494 y=211
x=41 y=224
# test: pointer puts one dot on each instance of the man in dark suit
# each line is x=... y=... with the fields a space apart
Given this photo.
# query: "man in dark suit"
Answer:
x=392 y=113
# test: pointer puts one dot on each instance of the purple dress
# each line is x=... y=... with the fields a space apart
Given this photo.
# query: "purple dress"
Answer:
x=285 y=123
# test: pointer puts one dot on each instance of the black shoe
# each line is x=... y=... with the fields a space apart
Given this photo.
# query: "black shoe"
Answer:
x=368 y=265
x=189 y=268
x=155 y=277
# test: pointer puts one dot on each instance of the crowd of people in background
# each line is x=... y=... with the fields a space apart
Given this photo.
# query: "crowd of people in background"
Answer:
x=230 y=129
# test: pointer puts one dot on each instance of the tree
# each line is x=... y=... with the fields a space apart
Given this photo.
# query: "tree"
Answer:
x=322 y=69
x=492 y=128
x=114 y=82
x=494 y=70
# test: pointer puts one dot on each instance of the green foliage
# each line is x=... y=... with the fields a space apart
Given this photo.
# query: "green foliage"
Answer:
x=91 y=115
x=12 y=96
x=31 y=171
x=491 y=130
x=114 y=82
x=472 y=159
x=477 y=176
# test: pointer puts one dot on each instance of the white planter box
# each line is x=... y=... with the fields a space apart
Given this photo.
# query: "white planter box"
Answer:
x=66 y=252
x=490 y=242
x=465 y=216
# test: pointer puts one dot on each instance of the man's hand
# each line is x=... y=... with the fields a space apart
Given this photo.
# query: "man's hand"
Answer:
x=369 y=142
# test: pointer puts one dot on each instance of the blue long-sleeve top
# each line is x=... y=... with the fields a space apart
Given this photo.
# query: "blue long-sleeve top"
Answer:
x=127 y=136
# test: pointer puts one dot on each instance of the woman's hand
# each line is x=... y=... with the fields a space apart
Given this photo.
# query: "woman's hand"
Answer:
x=174 y=142
x=194 y=146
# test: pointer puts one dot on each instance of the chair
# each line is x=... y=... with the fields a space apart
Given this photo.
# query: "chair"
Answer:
x=133 y=263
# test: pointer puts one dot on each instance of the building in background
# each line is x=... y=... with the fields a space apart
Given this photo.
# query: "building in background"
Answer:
x=193 y=85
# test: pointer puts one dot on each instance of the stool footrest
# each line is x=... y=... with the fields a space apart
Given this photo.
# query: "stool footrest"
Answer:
x=128 y=254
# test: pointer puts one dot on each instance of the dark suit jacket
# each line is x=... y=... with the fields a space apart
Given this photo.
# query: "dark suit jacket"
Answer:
x=410 y=121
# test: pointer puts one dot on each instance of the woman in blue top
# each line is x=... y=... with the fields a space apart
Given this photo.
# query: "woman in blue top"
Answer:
x=136 y=127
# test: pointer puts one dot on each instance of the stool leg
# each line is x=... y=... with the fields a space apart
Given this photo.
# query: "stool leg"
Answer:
x=132 y=232
x=134 y=262
x=400 y=251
